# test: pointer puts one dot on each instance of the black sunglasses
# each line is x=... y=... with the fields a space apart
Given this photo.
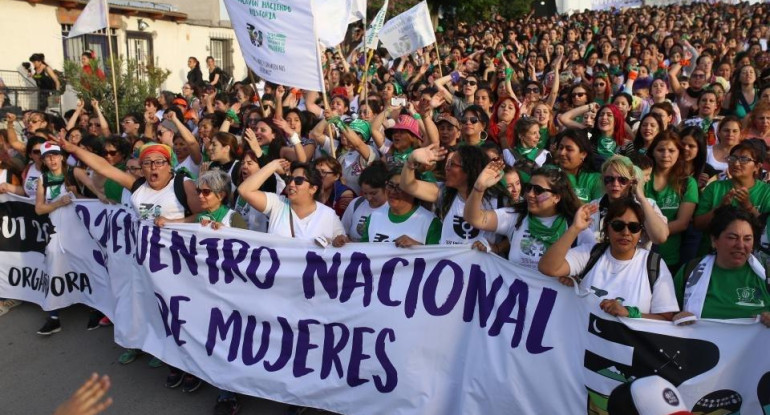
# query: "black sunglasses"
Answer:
x=204 y=192
x=618 y=225
x=471 y=83
x=472 y=120
x=622 y=180
x=539 y=190
x=298 y=180
x=36 y=152
x=111 y=153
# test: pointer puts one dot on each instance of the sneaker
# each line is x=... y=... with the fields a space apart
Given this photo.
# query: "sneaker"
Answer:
x=155 y=363
x=51 y=326
x=129 y=356
x=7 y=305
x=227 y=407
x=93 y=320
x=174 y=378
x=105 y=322
x=191 y=383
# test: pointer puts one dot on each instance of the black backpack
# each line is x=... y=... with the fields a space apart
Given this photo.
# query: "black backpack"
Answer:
x=179 y=192
x=653 y=263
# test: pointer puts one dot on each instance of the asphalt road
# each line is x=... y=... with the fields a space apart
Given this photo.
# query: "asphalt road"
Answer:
x=37 y=373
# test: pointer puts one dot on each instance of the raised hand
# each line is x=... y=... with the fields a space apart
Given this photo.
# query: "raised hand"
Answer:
x=428 y=155
x=583 y=216
x=490 y=176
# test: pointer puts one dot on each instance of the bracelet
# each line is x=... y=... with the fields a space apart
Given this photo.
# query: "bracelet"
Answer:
x=477 y=189
x=633 y=312
x=417 y=116
x=294 y=139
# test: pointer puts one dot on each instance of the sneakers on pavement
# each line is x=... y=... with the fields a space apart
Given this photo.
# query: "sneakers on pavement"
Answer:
x=7 y=305
x=129 y=356
x=174 y=378
x=93 y=320
x=105 y=322
x=155 y=363
x=227 y=407
x=51 y=326
x=191 y=383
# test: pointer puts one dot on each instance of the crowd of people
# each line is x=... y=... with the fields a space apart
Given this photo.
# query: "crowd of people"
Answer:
x=625 y=151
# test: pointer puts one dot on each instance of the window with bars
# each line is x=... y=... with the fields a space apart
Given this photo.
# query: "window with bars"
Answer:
x=96 y=42
x=222 y=52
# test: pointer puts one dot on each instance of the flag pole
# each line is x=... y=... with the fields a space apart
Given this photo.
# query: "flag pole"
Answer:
x=326 y=104
x=112 y=63
x=438 y=56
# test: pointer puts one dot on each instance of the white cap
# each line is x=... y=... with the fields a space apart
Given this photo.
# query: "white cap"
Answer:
x=49 y=147
x=650 y=395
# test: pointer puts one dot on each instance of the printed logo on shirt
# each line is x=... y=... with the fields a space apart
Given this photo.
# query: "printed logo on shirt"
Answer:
x=668 y=202
x=380 y=238
x=531 y=250
x=581 y=193
x=748 y=297
x=464 y=229
x=148 y=211
x=361 y=225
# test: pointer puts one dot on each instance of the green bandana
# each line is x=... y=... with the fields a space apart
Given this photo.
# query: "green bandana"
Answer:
x=543 y=138
x=547 y=235
x=216 y=216
x=529 y=153
x=55 y=184
x=607 y=147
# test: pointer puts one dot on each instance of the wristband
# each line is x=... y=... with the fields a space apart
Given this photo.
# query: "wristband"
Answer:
x=232 y=115
x=417 y=116
x=477 y=189
x=455 y=77
x=633 y=312
x=294 y=139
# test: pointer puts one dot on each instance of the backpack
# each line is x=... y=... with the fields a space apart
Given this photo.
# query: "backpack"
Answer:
x=693 y=263
x=181 y=195
x=653 y=263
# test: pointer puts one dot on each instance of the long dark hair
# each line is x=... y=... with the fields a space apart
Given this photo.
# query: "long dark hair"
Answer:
x=560 y=185
x=699 y=163
x=638 y=140
x=677 y=178
x=580 y=138
x=474 y=160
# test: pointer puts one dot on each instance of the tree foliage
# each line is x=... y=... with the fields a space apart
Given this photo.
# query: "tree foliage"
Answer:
x=469 y=11
x=135 y=82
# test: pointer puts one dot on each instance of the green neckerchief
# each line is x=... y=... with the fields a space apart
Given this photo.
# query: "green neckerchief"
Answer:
x=529 y=153
x=401 y=218
x=705 y=124
x=547 y=235
x=54 y=183
x=402 y=156
x=216 y=216
x=543 y=137
x=265 y=149
x=606 y=146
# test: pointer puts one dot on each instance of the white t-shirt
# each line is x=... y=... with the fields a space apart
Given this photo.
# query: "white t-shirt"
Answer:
x=149 y=203
x=322 y=222
x=354 y=218
x=610 y=278
x=30 y=182
x=455 y=230
x=510 y=159
x=353 y=163
x=190 y=165
x=713 y=162
x=382 y=229
x=526 y=251
x=255 y=220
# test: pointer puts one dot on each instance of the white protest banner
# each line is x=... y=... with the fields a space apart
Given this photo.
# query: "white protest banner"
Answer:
x=357 y=11
x=278 y=40
x=331 y=21
x=370 y=329
x=371 y=38
x=92 y=18
x=408 y=31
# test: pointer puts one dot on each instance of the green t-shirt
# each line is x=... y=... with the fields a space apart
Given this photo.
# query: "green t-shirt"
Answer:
x=587 y=185
x=112 y=190
x=543 y=138
x=669 y=201
x=732 y=293
x=712 y=195
x=606 y=147
x=434 y=230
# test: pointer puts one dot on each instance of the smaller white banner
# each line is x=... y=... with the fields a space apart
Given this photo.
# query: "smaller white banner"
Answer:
x=331 y=21
x=408 y=31
x=92 y=18
x=379 y=19
x=357 y=11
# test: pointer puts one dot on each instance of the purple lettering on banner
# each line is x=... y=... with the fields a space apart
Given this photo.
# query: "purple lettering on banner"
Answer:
x=477 y=296
x=256 y=261
x=518 y=293
x=170 y=314
x=287 y=346
x=413 y=292
x=218 y=325
x=155 y=248
x=230 y=262
x=248 y=356
x=303 y=347
x=391 y=374
x=103 y=216
x=540 y=322
x=84 y=215
x=350 y=278
x=212 y=257
x=142 y=247
x=332 y=349
x=357 y=356
x=327 y=276
x=116 y=228
x=180 y=251
x=163 y=308
x=386 y=281
x=431 y=286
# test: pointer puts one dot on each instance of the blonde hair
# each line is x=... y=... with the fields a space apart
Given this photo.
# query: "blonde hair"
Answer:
x=624 y=166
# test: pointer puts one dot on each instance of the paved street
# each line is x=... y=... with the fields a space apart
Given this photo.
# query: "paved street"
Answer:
x=40 y=372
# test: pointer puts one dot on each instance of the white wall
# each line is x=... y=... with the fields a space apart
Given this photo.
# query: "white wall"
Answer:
x=26 y=29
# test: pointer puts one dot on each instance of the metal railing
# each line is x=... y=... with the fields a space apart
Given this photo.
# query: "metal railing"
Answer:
x=22 y=94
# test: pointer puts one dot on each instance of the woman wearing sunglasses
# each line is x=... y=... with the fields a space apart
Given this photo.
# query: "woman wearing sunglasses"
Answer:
x=299 y=214
x=743 y=188
x=473 y=123
x=621 y=180
x=574 y=155
x=214 y=195
x=533 y=226
x=620 y=275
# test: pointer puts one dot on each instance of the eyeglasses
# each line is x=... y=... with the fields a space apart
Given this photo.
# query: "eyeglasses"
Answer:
x=452 y=163
x=578 y=94
x=127 y=121
x=111 y=153
x=471 y=83
x=532 y=90
x=741 y=159
x=348 y=83
x=298 y=180
x=698 y=76
x=618 y=225
x=622 y=39
x=622 y=180
x=472 y=120
x=393 y=187
x=204 y=192
x=539 y=190
x=134 y=168
x=324 y=173
x=154 y=163
x=35 y=121
x=36 y=152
